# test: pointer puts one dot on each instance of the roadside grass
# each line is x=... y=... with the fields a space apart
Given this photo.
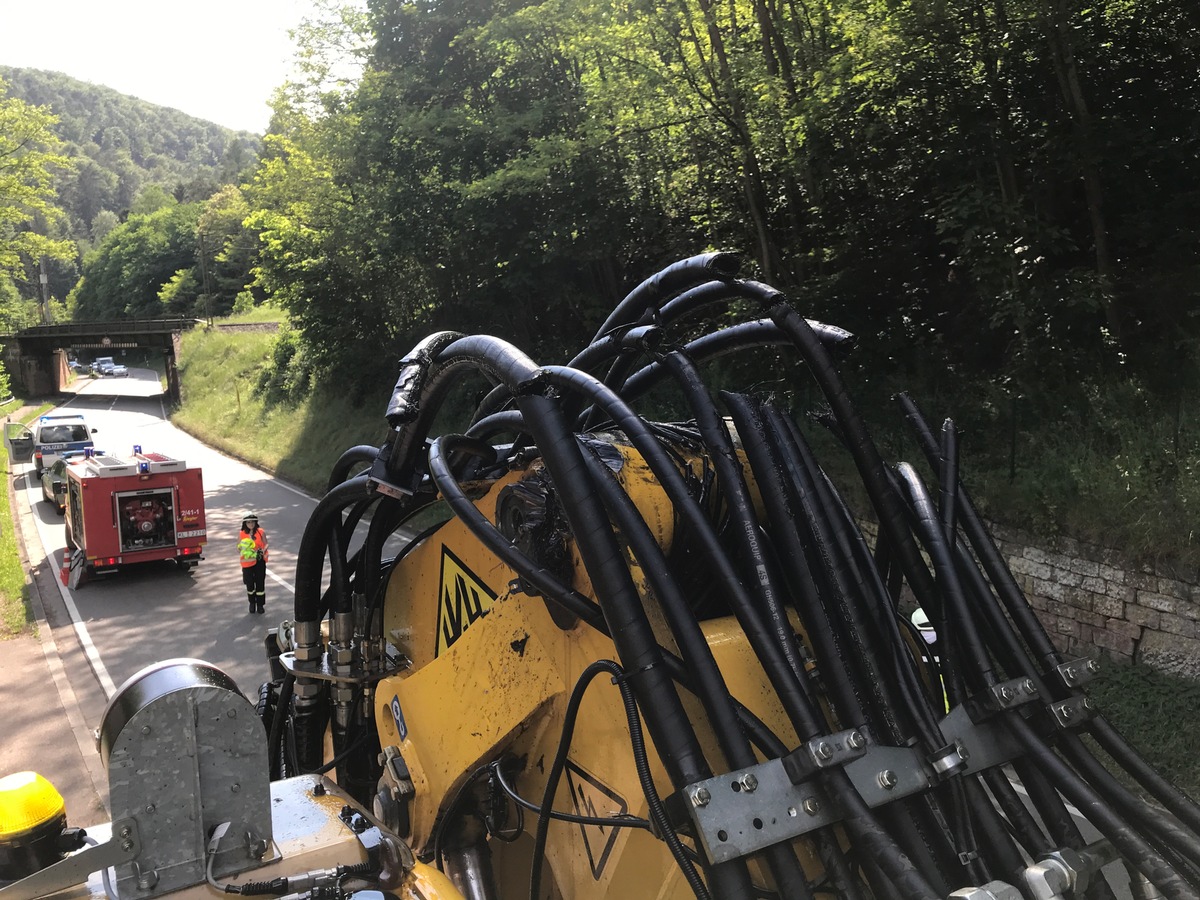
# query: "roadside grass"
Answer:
x=1158 y=714
x=16 y=617
x=224 y=406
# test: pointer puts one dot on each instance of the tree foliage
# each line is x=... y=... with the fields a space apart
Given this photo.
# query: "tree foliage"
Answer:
x=994 y=183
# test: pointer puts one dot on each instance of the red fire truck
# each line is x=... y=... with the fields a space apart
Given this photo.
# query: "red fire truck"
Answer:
x=131 y=509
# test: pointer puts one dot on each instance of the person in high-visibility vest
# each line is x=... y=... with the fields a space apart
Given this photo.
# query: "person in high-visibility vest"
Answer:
x=252 y=549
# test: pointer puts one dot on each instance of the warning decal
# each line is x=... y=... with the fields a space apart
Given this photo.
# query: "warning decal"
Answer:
x=462 y=600
x=591 y=798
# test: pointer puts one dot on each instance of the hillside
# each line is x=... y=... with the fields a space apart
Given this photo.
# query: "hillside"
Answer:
x=121 y=145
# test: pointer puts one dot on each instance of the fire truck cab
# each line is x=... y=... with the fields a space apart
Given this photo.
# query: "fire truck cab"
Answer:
x=131 y=509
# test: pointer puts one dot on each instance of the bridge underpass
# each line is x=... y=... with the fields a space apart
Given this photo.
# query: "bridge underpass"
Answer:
x=36 y=358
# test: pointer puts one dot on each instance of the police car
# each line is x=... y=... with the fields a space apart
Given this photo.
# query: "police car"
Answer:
x=54 y=435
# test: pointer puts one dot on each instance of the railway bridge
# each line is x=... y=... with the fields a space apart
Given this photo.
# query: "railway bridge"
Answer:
x=36 y=358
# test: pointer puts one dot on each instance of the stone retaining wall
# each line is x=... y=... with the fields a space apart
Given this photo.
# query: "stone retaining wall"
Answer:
x=1094 y=603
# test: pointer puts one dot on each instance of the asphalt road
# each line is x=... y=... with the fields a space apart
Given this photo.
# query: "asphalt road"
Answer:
x=151 y=612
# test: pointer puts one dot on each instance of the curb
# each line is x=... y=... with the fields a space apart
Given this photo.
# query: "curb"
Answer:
x=84 y=737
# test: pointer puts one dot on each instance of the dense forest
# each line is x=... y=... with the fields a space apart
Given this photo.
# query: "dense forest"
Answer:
x=117 y=149
x=997 y=196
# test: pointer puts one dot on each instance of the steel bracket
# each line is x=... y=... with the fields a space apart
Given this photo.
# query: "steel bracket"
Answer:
x=123 y=847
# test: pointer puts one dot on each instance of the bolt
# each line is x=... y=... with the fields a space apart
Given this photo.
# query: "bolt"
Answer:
x=824 y=751
x=147 y=880
x=1071 y=674
x=855 y=740
x=145 y=729
x=149 y=807
x=887 y=779
x=232 y=713
x=1093 y=666
x=127 y=846
x=126 y=831
x=235 y=787
x=748 y=782
x=1065 y=711
x=1029 y=686
x=963 y=753
x=811 y=805
x=700 y=797
x=1006 y=693
x=1088 y=704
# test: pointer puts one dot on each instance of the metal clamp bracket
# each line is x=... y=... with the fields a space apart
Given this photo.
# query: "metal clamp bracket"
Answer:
x=124 y=846
x=824 y=752
x=1073 y=711
x=1075 y=672
x=1011 y=694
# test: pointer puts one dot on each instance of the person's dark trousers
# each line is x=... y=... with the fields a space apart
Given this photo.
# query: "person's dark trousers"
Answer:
x=255 y=579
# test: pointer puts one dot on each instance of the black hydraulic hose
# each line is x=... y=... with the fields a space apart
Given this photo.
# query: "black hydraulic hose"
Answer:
x=1096 y=810
x=885 y=859
x=631 y=633
x=833 y=528
x=628 y=627
x=684 y=274
x=972 y=645
x=804 y=717
x=948 y=481
x=545 y=581
x=1115 y=745
x=508 y=420
x=551 y=587
x=622 y=341
x=908 y=680
x=739 y=337
x=321 y=528
x=360 y=453
x=275 y=738
x=740 y=507
x=707 y=682
x=997 y=843
x=1051 y=808
x=1183 y=842
x=1031 y=629
x=889 y=509
x=787 y=512
x=1030 y=833
x=1007 y=645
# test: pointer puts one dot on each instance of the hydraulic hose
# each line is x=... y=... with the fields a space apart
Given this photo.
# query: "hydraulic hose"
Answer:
x=1032 y=631
x=667 y=282
x=1139 y=852
x=321 y=529
x=546 y=582
x=708 y=683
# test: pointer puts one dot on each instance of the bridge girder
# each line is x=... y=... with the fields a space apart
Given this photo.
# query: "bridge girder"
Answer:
x=30 y=354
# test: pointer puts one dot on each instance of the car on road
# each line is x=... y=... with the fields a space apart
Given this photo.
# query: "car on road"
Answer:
x=119 y=370
x=54 y=481
x=56 y=434
x=103 y=365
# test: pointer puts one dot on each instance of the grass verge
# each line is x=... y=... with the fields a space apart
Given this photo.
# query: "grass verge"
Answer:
x=1157 y=713
x=226 y=406
x=16 y=617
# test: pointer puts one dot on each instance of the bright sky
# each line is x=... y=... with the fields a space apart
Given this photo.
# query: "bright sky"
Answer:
x=218 y=60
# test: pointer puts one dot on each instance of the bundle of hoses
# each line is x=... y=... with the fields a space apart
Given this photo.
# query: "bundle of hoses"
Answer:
x=775 y=537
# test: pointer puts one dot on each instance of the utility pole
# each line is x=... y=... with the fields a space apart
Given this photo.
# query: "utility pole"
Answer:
x=44 y=304
x=204 y=277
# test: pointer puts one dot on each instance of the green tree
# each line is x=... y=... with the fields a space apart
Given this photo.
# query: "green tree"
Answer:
x=30 y=160
x=127 y=273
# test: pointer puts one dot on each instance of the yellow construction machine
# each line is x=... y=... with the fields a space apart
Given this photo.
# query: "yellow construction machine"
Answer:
x=567 y=649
